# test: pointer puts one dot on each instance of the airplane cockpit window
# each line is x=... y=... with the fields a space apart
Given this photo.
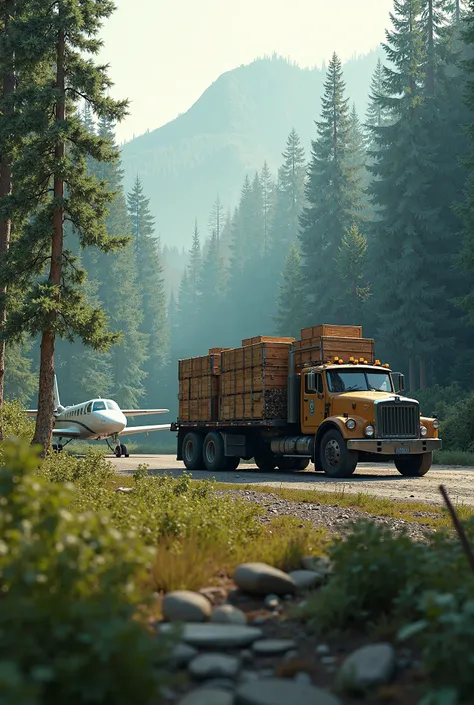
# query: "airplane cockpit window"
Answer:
x=99 y=406
x=89 y=408
x=112 y=405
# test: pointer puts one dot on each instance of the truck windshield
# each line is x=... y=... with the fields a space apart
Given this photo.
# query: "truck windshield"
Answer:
x=358 y=381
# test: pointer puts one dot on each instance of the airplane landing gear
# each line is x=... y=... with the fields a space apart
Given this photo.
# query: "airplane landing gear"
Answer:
x=121 y=450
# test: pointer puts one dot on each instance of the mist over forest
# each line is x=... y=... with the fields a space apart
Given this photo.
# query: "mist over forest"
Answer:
x=286 y=198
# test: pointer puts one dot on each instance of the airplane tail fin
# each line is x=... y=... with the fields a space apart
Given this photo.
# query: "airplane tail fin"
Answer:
x=57 y=402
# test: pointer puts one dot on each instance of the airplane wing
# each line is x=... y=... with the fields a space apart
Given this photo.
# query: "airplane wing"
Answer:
x=31 y=412
x=143 y=429
x=143 y=412
x=66 y=432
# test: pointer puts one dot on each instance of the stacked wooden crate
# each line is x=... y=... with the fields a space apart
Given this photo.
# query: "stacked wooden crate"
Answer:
x=323 y=343
x=199 y=387
x=253 y=380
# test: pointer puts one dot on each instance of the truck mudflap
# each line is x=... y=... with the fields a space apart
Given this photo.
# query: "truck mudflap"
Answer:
x=395 y=446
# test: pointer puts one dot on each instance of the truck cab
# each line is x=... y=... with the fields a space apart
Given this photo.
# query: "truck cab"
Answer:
x=355 y=412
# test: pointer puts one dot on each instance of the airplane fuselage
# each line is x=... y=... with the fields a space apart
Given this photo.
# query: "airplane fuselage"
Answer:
x=93 y=420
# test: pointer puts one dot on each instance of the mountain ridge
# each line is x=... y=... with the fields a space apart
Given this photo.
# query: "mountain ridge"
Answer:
x=242 y=119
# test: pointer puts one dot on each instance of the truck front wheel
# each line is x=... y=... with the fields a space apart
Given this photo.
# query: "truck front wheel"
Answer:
x=334 y=457
x=213 y=453
x=414 y=465
x=192 y=451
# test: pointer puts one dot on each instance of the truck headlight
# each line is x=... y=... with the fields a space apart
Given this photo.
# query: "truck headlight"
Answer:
x=369 y=431
x=351 y=424
x=436 y=423
x=423 y=430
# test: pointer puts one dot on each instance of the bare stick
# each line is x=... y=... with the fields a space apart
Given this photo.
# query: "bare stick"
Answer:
x=459 y=528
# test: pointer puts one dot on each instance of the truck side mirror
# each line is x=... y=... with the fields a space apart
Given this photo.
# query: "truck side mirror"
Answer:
x=311 y=382
x=401 y=381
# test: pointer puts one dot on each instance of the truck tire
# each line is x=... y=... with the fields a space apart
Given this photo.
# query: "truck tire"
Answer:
x=334 y=457
x=192 y=451
x=213 y=452
x=231 y=464
x=292 y=464
x=265 y=461
x=414 y=465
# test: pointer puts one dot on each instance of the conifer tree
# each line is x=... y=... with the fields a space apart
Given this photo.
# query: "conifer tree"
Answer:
x=351 y=267
x=51 y=171
x=268 y=192
x=378 y=112
x=216 y=219
x=194 y=266
x=333 y=193
x=288 y=316
x=152 y=290
x=213 y=287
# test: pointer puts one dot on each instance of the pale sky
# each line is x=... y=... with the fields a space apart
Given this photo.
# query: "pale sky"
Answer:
x=163 y=54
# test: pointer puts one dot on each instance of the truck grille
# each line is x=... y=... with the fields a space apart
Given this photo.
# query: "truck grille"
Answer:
x=398 y=420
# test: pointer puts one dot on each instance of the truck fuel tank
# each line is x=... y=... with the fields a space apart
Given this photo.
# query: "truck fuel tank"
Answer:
x=293 y=445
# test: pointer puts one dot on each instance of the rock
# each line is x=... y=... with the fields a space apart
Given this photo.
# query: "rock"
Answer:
x=269 y=647
x=322 y=650
x=220 y=684
x=272 y=602
x=207 y=696
x=302 y=677
x=228 y=614
x=248 y=676
x=306 y=579
x=328 y=660
x=263 y=579
x=215 y=636
x=367 y=667
x=247 y=656
x=291 y=655
x=213 y=594
x=214 y=666
x=321 y=565
x=124 y=490
x=186 y=606
x=182 y=654
x=281 y=691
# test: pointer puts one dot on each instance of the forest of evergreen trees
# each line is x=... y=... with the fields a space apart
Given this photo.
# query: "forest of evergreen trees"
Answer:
x=374 y=227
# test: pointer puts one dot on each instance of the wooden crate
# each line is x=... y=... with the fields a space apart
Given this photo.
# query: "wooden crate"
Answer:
x=258 y=355
x=268 y=404
x=198 y=409
x=327 y=330
x=265 y=339
x=199 y=366
x=327 y=348
x=253 y=379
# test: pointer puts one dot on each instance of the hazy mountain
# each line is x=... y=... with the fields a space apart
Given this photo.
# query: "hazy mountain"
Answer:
x=242 y=119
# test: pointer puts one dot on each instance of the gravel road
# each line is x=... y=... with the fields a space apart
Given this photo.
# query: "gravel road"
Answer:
x=380 y=480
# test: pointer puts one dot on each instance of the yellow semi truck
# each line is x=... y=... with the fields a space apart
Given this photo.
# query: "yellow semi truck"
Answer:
x=286 y=402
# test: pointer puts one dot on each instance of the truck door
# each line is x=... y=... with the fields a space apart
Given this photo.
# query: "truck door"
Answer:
x=313 y=402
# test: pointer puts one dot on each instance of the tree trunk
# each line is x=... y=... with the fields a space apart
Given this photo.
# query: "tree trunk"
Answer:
x=422 y=372
x=411 y=374
x=45 y=417
x=458 y=11
x=5 y=187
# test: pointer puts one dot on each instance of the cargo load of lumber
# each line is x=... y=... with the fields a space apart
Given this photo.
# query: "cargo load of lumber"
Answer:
x=323 y=343
x=253 y=380
x=199 y=387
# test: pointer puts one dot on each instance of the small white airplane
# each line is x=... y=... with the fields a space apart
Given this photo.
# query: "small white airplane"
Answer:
x=97 y=420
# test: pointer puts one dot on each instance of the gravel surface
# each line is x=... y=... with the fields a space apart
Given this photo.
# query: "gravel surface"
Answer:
x=331 y=517
x=379 y=480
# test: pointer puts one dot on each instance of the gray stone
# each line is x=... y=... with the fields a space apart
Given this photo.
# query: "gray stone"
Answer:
x=262 y=579
x=320 y=565
x=291 y=655
x=248 y=676
x=328 y=660
x=214 y=666
x=302 y=677
x=182 y=654
x=269 y=647
x=220 y=684
x=228 y=614
x=306 y=579
x=247 y=656
x=273 y=602
x=207 y=696
x=280 y=691
x=186 y=606
x=367 y=667
x=216 y=636
x=322 y=650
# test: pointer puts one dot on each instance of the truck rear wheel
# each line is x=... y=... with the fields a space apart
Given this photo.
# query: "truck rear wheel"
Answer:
x=414 y=465
x=192 y=451
x=265 y=461
x=213 y=452
x=292 y=464
x=231 y=464
x=334 y=457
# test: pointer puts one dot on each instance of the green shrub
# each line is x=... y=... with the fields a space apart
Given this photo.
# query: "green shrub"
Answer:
x=15 y=421
x=440 y=400
x=69 y=597
x=457 y=430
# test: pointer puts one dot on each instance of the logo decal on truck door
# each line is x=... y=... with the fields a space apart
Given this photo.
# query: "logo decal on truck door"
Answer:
x=311 y=407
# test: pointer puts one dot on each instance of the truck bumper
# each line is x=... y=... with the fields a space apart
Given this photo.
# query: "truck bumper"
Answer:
x=394 y=446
